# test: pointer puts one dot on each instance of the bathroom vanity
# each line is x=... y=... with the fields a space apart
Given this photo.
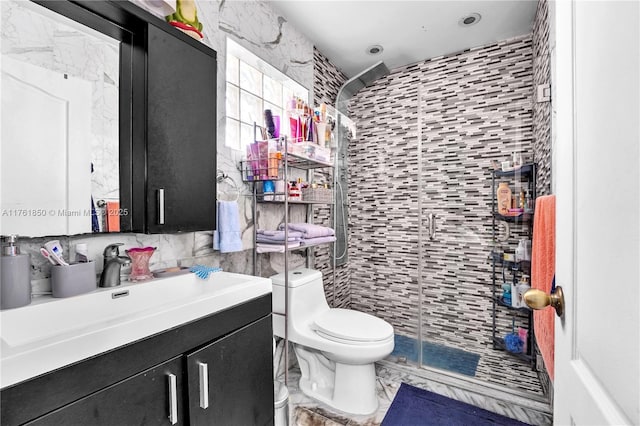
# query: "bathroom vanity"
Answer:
x=176 y=350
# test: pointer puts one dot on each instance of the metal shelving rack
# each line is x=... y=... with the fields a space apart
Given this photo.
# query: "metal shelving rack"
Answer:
x=525 y=174
x=289 y=161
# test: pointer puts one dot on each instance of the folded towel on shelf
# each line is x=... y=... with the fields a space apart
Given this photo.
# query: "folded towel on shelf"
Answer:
x=543 y=256
x=276 y=236
x=317 y=240
x=269 y=240
x=275 y=248
x=227 y=237
x=310 y=230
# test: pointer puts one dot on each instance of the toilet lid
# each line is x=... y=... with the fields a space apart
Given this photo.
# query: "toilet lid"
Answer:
x=346 y=324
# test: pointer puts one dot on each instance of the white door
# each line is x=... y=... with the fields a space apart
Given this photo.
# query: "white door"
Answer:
x=596 y=162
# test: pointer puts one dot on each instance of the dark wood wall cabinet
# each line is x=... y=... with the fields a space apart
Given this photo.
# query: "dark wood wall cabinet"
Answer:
x=181 y=134
x=167 y=117
x=215 y=370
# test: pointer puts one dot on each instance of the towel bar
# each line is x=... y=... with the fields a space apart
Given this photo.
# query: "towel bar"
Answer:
x=221 y=177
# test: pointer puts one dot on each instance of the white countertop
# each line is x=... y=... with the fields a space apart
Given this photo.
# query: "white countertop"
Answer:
x=52 y=333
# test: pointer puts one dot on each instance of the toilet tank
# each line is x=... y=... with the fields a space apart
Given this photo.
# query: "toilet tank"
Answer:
x=305 y=287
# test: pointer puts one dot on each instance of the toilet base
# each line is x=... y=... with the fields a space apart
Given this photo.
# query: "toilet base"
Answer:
x=346 y=387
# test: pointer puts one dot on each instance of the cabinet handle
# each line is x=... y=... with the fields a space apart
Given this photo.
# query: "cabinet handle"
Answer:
x=173 y=399
x=203 y=371
x=161 y=206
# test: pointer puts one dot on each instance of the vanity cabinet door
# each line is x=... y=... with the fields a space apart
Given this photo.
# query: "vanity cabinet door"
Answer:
x=153 y=396
x=230 y=381
x=181 y=134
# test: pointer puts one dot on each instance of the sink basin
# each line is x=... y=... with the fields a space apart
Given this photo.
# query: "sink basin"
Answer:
x=56 y=332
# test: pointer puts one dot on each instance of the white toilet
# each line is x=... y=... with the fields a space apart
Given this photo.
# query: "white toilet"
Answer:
x=336 y=348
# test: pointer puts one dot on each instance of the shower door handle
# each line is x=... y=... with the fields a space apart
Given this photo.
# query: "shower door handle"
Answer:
x=432 y=226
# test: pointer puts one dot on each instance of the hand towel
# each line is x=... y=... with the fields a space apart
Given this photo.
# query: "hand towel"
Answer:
x=310 y=230
x=317 y=240
x=543 y=266
x=227 y=237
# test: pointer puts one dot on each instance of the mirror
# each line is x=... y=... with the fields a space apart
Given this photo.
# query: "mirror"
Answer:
x=59 y=160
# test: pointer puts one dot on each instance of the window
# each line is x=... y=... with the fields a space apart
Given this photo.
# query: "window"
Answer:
x=252 y=87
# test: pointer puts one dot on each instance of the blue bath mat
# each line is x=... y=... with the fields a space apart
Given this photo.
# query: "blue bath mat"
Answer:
x=437 y=356
x=413 y=406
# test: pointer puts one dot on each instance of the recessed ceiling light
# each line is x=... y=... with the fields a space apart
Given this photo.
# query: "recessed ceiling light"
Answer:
x=470 y=19
x=376 y=49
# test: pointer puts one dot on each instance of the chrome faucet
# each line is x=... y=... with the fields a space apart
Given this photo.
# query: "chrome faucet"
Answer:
x=112 y=262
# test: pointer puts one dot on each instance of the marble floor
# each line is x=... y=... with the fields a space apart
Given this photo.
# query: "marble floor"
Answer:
x=526 y=407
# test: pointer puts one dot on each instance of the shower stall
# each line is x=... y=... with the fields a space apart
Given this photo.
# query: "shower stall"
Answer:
x=413 y=183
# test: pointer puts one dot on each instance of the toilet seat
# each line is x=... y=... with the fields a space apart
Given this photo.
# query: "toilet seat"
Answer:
x=354 y=327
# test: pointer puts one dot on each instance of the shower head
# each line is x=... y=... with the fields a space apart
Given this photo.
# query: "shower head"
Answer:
x=357 y=82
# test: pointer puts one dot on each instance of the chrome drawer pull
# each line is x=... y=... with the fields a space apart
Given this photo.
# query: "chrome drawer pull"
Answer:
x=203 y=371
x=173 y=399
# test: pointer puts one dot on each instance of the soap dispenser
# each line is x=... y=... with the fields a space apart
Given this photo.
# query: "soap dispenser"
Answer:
x=15 y=274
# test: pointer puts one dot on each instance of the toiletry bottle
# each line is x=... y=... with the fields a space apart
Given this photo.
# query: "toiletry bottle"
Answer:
x=521 y=289
x=506 y=293
x=15 y=275
x=527 y=249
x=515 y=302
x=268 y=188
x=82 y=253
x=521 y=199
x=504 y=198
x=294 y=192
x=528 y=203
x=279 y=188
x=520 y=251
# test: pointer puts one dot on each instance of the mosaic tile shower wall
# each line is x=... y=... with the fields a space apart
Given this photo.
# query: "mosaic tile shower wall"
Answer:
x=327 y=80
x=475 y=107
x=542 y=110
x=542 y=126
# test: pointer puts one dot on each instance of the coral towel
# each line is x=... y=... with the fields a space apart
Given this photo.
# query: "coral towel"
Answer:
x=543 y=269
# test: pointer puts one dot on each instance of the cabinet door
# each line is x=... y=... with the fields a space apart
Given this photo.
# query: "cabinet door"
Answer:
x=150 y=397
x=230 y=382
x=181 y=134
